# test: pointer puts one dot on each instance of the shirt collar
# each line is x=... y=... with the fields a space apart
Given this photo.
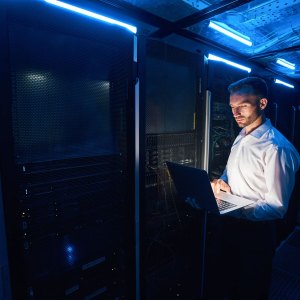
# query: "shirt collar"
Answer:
x=259 y=131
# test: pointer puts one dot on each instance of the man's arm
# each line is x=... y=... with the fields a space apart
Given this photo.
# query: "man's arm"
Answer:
x=280 y=168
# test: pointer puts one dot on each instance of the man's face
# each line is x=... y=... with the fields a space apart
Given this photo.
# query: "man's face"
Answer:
x=245 y=108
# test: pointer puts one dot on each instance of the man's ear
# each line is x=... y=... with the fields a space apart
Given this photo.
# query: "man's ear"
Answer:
x=263 y=102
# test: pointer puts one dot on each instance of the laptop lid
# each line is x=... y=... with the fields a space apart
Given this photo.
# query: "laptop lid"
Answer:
x=194 y=183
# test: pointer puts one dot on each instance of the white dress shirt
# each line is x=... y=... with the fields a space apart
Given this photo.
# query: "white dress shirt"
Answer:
x=262 y=167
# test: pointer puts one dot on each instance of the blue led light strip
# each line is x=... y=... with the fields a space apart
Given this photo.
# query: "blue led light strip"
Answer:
x=228 y=62
x=245 y=40
x=284 y=83
x=91 y=14
x=285 y=63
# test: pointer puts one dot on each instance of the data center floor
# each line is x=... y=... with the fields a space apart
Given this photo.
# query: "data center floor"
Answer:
x=286 y=269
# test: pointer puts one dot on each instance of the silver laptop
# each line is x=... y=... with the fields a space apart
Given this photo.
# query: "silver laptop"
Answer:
x=194 y=183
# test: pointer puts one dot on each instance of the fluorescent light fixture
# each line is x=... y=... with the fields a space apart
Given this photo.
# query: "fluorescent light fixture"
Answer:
x=91 y=14
x=285 y=63
x=230 y=32
x=228 y=62
x=284 y=83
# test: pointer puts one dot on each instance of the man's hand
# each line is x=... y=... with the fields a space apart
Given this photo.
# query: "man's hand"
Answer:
x=219 y=184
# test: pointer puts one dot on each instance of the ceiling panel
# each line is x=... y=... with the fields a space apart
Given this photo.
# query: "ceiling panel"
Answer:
x=273 y=26
x=171 y=10
x=269 y=26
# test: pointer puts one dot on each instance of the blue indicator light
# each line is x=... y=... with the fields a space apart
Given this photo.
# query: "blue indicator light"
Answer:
x=70 y=249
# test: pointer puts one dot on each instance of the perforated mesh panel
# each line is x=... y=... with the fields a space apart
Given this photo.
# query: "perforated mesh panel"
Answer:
x=61 y=103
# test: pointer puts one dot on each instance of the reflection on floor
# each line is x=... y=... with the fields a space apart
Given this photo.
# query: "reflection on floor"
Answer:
x=286 y=269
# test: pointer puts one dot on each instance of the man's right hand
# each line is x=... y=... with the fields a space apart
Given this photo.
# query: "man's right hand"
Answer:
x=219 y=184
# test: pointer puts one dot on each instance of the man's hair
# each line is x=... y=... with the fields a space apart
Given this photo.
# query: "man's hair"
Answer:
x=251 y=86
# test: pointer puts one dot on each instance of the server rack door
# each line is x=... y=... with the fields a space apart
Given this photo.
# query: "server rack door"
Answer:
x=171 y=95
x=69 y=188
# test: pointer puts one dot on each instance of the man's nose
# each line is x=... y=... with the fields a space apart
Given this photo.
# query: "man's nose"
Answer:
x=235 y=111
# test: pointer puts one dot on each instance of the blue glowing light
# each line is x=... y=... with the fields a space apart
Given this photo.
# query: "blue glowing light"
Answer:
x=91 y=14
x=284 y=83
x=228 y=62
x=285 y=63
x=230 y=32
x=70 y=249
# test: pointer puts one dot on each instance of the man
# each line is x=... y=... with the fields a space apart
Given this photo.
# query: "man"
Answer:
x=262 y=163
x=261 y=167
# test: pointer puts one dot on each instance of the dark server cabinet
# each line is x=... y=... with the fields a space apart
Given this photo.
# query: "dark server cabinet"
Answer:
x=67 y=156
x=171 y=96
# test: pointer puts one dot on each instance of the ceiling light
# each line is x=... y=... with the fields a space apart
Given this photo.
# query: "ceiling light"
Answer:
x=91 y=14
x=284 y=83
x=285 y=63
x=223 y=28
x=228 y=62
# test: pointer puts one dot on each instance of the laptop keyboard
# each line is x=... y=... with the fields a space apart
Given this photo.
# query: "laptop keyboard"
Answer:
x=224 y=204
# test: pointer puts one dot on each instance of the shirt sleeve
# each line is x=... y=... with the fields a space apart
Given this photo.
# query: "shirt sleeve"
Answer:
x=224 y=175
x=280 y=167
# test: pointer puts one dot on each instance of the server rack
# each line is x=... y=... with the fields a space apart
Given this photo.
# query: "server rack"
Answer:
x=68 y=189
x=171 y=96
